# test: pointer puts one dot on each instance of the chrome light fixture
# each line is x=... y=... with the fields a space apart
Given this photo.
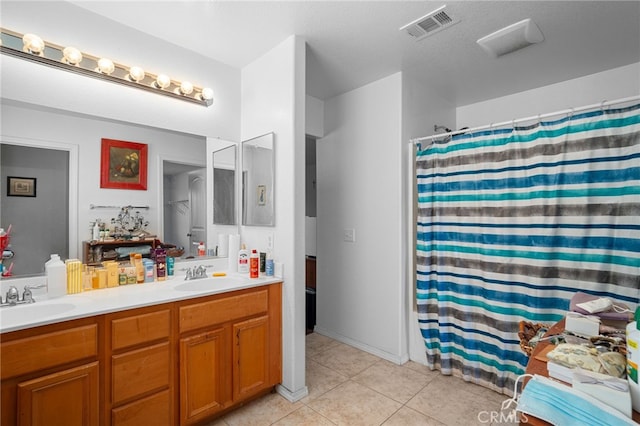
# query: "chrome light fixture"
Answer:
x=33 y=48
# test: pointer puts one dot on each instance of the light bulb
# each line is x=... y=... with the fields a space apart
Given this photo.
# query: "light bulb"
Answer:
x=106 y=66
x=186 y=88
x=136 y=73
x=32 y=43
x=72 y=55
x=163 y=81
x=207 y=94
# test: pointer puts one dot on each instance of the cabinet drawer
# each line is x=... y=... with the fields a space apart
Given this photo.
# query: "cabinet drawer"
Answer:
x=139 y=329
x=218 y=311
x=153 y=410
x=48 y=350
x=141 y=371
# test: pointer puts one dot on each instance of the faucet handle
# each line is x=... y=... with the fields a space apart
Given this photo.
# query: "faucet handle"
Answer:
x=27 y=296
x=12 y=295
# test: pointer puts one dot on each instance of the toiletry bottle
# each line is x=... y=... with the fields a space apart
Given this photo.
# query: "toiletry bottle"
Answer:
x=243 y=260
x=96 y=231
x=137 y=261
x=161 y=264
x=268 y=268
x=202 y=250
x=170 y=263
x=56 y=272
x=633 y=359
x=254 y=264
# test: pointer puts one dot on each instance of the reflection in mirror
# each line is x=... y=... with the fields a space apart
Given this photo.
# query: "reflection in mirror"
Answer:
x=258 y=190
x=224 y=188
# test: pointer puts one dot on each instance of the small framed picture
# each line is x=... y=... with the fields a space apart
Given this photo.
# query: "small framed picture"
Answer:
x=21 y=186
x=262 y=195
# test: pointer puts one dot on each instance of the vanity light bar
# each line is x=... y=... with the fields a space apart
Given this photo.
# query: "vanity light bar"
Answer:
x=32 y=48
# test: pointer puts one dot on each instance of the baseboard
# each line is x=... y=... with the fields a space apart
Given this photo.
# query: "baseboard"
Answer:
x=292 y=396
x=370 y=349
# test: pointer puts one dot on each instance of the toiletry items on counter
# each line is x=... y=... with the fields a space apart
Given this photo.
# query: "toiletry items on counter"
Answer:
x=243 y=260
x=254 y=264
x=56 y=273
x=74 y=276
x=161 y=264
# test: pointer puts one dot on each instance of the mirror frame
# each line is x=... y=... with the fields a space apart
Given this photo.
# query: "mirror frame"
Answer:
x=265 y=187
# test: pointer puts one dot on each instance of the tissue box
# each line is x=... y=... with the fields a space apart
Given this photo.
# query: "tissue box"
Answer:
x=581 y=325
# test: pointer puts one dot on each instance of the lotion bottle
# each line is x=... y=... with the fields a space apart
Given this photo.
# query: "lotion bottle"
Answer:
x=243 y=260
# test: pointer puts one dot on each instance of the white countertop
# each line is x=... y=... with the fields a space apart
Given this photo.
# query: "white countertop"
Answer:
x=73 y=306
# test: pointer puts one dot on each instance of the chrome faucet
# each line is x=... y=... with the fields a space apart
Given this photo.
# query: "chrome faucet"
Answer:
x=196 y=272
x=13 y=297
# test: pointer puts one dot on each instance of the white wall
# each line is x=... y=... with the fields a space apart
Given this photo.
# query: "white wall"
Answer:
x=609 y=85
x=360 y=179
x=273 y=100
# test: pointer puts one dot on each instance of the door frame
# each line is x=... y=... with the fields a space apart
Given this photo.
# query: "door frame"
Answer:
x=74 y=242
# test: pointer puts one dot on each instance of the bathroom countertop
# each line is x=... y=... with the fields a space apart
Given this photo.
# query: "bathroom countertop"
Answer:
x=96 y=302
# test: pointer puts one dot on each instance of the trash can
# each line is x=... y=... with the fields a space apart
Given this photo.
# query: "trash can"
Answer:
x=310 y=308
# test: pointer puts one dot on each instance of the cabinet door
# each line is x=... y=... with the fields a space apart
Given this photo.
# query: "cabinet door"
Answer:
x=67 y=398
x=204 y=367
x=250 y=357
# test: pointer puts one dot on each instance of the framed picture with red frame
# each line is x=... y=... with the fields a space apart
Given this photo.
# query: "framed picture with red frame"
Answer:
x=123 y=165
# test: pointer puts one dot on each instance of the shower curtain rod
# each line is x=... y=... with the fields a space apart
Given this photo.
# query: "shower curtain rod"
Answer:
x=535 y=117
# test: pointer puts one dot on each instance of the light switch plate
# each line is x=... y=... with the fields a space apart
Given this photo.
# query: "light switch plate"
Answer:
x=349 y=235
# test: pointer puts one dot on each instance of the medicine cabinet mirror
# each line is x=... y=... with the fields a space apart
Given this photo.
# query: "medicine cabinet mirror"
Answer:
x=224 y=187
x=258 y=192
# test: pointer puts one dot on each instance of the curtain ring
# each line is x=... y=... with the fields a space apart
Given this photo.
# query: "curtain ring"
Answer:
x=602 y=105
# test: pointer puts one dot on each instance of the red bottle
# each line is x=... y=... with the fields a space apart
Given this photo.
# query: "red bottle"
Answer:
x=254 y=264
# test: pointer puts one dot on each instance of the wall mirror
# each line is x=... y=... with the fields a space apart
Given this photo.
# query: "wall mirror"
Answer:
x=224 y=187
x=258 y=192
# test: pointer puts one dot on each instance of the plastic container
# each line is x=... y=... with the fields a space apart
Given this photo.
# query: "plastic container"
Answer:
x=268 y=267
x=137 y=262
x=161 y=264
x=633 y=359
x=202 y=249
x=148 y=270
x=56 y=272
x=170 y=263
x=243 y=260
x=254 y=264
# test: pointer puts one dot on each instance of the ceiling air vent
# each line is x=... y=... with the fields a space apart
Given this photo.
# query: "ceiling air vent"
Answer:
x=430 y=24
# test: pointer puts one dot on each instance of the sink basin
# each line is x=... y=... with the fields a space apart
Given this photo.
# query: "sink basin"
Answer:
x=35 y=310
x=205 y=284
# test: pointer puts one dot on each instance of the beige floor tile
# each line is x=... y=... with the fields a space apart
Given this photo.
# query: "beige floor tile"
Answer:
x=395 y=381
x=449 y=400
x=345 y=359
x=262 y=412
x=316 y=343
x=320 y=379
x=354 y=404
x=304 y=416
x=408 y=417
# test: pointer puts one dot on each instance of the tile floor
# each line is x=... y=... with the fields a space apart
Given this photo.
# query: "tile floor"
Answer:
x=350 y=387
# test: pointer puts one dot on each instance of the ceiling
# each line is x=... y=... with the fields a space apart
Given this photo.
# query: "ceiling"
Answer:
x=352 y=43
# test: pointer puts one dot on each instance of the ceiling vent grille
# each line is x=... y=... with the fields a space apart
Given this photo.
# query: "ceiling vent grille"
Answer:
x=430 y=24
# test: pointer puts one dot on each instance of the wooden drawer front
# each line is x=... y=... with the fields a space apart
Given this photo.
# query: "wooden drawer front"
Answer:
x=153 y=410
x=140 y=371
x=48 y=350
x=138 y=329
x=219 y=311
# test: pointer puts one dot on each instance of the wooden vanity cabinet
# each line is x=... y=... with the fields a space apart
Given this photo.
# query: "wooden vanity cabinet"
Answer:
x=51 y=375
x=139 y=367
x=182 y=362
x=230 y=350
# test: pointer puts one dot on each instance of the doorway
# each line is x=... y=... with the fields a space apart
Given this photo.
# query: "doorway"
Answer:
x=310 y=234
x=184 y=205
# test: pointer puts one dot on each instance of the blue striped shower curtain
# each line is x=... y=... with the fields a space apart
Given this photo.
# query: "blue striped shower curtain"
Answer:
x=511 y=223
